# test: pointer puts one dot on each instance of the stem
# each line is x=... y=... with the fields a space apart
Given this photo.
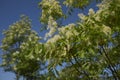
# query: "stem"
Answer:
x=17 y=76
x=70 y=56
x=74 y=66
x=80 y=66
x=109 y=63
x=107 y=57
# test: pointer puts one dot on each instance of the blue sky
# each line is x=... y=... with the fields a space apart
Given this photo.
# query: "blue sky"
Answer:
x=10 y=11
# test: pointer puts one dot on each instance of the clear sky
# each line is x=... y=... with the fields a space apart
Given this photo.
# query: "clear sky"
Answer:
x=10 y=11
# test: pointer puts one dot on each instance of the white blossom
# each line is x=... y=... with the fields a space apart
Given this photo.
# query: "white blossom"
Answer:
x=91 y=12
x=97 y=18
x=69 y=34
x=31 y=56
x=16 y=53
x=82 y=16
x=62 y=29
x=106 y=29
x=54 y=39
x=50 y=33
x=52 y=26
x=15 y=68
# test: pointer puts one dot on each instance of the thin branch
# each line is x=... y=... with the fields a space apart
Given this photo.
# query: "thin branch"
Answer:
x=108 y=65
x=80 y=66
x=74 y=66
x=110 y=62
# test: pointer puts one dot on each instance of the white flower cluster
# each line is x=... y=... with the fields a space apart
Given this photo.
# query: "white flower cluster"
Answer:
x=15 y=68
x=82 y=17
x=24 y=45
x=103 y=7
x=68 y=2
x=52 y=26
x=91 y=12
x=4 y=62
x=106 y=29
x=97 y=18
x=68 y=31
x=50 y=8
x=54 y=39
x=16 y=53
x=66 y=28
x=104 y=4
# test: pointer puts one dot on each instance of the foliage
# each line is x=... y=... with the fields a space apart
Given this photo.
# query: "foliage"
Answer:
x=89 y=43
x=89 y=48
x=17 y=46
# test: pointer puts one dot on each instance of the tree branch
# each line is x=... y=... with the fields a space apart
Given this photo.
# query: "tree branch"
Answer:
x=110 y=62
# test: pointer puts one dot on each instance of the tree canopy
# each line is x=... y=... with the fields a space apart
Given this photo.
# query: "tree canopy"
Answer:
x=88 y=49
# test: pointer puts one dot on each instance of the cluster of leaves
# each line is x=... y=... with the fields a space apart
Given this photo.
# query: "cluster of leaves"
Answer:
x=88 y=46
x=19 y=47
x=88 y=49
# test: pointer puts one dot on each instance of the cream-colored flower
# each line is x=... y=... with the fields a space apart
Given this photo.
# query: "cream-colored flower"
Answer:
x=50 y=33
x=52 y=26
x=71 y=26
x=31 y=56
x=106 y=29
x=69 y=34
x=15 y=68
x=54 y=39
x=91 y=12
x=4 y=63
x=97 y=18
x=61 y=30
x=75 y=33
x=82 y=16
x=15 y=53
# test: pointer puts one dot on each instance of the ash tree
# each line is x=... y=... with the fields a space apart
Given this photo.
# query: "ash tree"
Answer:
x=17 y=47
x=87 y=49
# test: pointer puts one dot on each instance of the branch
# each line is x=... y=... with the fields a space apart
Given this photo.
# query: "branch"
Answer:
x=80 y=66
x=110 y=62
x=74 y=66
